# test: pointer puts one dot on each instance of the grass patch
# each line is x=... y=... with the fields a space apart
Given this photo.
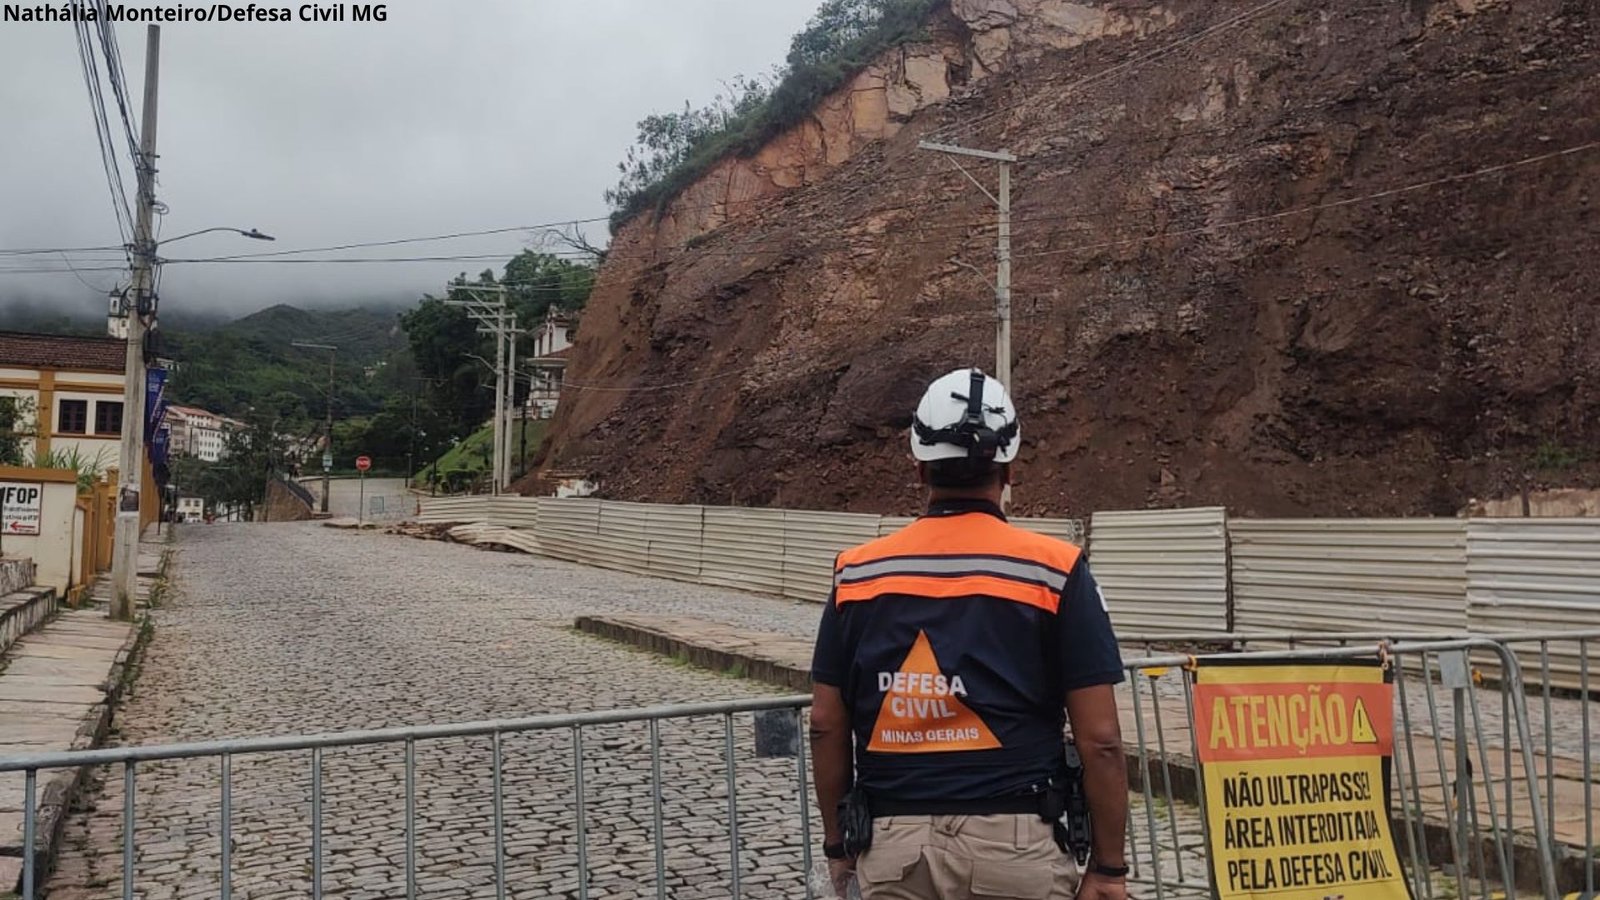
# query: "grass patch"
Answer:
x=468 y=461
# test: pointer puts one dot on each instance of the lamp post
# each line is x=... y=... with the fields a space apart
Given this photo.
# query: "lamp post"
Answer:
x=141 y=310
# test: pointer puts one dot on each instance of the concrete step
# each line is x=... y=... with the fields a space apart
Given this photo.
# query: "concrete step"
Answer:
x=23 y=611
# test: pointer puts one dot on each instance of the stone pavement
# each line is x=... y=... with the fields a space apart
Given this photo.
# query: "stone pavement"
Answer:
x=289 y=628
x=58 y=686
x=152 y=548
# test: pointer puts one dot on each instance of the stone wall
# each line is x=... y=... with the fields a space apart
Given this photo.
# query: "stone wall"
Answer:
x=284 y=504
x=15 y=574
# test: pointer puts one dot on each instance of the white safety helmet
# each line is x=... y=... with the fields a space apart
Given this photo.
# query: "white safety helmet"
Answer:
x=965 y=414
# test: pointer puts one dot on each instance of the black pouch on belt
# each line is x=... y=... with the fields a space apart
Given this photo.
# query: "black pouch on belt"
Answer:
x=855 y=822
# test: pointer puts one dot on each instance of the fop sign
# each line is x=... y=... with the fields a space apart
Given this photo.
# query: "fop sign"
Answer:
x=19 y=507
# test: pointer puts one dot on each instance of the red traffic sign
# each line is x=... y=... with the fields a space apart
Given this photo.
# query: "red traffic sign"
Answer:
x=363 y=463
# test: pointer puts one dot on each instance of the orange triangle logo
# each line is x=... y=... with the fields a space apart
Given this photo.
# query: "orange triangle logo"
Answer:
x=922 y=710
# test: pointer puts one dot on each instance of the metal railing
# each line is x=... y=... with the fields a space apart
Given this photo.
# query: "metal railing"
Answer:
x=1477 y=784
x=225 y=751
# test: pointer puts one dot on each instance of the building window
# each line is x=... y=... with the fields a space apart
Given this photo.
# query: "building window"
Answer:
x=73 y=417
x=108 y=417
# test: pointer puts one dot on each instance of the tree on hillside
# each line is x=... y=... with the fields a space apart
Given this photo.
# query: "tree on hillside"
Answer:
x=673 y=149
x=444 y=341
x=537 y=282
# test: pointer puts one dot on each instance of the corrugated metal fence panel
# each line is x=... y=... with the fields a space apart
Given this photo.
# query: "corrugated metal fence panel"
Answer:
x=673 y=536
x=810 y=542
x=891 y=524
x=1538 y=575
x=743 y=549
x=515 y=512
x=1163 y=571
x=1070 y=530
x=567 y=527
x=454 y=509
x=1349 y=575
x=620 y=541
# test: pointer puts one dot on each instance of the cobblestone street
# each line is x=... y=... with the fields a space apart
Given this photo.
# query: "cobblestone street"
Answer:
x=298 y=628
x=277 y=629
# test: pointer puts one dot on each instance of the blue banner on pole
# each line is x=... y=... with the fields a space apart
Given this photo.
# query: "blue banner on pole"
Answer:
x=155 y=401
x=160 y=445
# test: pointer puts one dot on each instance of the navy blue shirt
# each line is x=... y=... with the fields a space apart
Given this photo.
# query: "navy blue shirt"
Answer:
x=954 y=643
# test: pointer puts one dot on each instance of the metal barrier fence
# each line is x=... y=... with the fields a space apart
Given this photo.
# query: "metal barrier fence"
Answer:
x=1487 y=801
x=1177 y=572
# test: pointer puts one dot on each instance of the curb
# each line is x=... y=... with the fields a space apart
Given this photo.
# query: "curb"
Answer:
x=57 y=795
x=754 y=667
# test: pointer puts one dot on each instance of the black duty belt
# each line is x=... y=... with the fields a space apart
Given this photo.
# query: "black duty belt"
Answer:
x=1024 y=804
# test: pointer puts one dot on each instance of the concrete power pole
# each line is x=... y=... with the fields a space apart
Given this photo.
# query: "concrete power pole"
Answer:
x=125 y=563
x=1002 y=283
x=497 y=481
x=513 y=423
x=327 y=452
x=492 y=317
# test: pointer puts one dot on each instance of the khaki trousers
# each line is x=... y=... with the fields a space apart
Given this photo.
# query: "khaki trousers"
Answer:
x=961 y=857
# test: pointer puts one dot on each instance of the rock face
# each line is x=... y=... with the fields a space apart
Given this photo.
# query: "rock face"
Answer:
x=1257 y=263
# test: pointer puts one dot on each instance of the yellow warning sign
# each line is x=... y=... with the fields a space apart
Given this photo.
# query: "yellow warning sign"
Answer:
x=922 y=710
x=1361 y=731
x=1294 y=766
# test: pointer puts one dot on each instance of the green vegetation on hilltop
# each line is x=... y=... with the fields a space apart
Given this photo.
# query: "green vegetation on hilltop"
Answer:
x=253 y=363
x=675 y=149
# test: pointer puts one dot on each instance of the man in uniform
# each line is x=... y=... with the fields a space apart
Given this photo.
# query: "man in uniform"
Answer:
x=945 y=660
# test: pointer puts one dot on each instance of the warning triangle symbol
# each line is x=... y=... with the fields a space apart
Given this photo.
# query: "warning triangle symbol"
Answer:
x=1361 y=731
x=922 y=710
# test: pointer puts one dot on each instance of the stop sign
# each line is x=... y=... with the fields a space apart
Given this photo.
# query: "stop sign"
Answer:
x=363 y=463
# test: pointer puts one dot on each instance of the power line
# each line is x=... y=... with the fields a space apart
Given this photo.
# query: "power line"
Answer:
x=398 y=241
x=753 y=247
x=1333 y=204
x=97 y=112
x=116 y=75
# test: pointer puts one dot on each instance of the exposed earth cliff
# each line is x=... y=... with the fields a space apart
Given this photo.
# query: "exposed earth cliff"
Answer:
x=1202 y=318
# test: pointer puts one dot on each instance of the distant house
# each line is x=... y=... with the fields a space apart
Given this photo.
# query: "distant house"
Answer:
x=552 y=348
x=196 y=433
x=191 y=509
x=74 y=386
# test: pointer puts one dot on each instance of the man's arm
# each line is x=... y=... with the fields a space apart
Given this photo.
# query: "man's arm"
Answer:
x=1098 y=732
x=830 y=755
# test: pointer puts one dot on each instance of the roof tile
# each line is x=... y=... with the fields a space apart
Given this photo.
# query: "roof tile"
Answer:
x=60 y=351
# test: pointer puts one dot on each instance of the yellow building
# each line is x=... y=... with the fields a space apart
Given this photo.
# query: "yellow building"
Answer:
x=72 y=387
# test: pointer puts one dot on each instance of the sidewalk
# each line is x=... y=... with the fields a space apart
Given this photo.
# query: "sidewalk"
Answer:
x=785 y=661
x=58 y=688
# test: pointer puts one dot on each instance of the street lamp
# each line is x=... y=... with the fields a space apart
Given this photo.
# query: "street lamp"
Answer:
x=125 y=555
x=252 y=233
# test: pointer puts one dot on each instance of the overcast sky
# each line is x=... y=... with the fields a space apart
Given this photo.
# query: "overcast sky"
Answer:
x=448 y=117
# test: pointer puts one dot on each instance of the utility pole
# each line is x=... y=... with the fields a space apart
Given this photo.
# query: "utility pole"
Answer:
x=498 y=481
x=411 y=438
x=512 y=421
x=125 y=563
x=327 y=452
x=492 y=317
x=1002 y=283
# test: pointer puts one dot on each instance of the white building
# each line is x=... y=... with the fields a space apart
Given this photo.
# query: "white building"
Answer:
x=196 y=433
x=552 y=346
x=191 y=509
